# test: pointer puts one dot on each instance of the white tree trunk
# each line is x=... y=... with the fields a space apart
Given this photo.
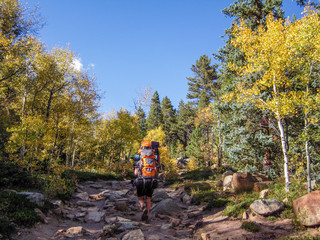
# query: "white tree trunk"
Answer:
x=285 y=154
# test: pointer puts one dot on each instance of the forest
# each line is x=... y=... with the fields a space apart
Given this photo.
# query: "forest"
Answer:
x=253 y=105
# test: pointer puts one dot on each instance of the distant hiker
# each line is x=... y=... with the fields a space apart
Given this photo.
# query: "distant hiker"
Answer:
x=146 y=171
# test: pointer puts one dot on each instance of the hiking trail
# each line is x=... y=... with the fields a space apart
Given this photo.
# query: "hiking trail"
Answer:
x=110 y=210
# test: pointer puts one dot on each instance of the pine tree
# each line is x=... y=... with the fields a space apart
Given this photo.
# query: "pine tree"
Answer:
x=154 y=119
x=185 y=122
x=201 y=85
x=142 y=122
x=169 y=122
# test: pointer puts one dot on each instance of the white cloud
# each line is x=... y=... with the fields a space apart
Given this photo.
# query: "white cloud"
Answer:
x=77 y=65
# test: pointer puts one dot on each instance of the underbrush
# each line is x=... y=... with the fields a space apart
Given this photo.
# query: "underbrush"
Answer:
x=239 y=203
x=212 y=197
x=198 y=175
x=16 y=209
x=250 y=227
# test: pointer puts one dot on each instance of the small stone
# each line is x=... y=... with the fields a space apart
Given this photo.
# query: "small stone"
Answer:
x=245 y=216
x=75 y=230
x=264 y=193
x=134 y=235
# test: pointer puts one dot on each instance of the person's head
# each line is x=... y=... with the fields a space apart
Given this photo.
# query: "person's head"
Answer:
x=146 y=145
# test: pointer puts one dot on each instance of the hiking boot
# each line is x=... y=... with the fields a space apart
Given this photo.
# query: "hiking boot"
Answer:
x=144 y=216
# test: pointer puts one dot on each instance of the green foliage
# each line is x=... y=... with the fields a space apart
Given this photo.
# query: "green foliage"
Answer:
x=155 y=117
x=196 y=186
x=91 y=175
x=209 y=196
x=198 y=174
x=12 y=176
x=250 y=227
x=240 y=203
x=18 y=209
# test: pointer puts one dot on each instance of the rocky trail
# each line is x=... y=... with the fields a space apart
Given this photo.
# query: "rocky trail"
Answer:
x=110 y=210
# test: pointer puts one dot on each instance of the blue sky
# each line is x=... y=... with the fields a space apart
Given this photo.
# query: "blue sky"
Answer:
x=131 y=45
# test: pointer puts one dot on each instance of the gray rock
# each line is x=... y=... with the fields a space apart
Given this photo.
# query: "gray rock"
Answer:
x=266 y=207
x=115 y=185
x=109 y=230
x=95 y=216
x=85 y=204
x=36 y=198
x=186 y=199
x=166 y=207
x=227 y=182
x=83 y=196
x=134 y=235
x=264 y=193
x=121 y=205
x=159 y=196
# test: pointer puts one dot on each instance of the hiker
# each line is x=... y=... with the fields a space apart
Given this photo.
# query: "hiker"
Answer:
x=146 y=170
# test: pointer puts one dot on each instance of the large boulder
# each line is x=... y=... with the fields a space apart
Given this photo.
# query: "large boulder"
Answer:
x=242 y=181
x=37 y=198
x=266 y=207
x=166 y=207
x=307 y=209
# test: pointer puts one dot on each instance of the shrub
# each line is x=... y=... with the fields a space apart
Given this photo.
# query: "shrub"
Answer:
x=197 y=186
x=239 y=205
x=250 y=227
x=16 y=209
x=198 y=175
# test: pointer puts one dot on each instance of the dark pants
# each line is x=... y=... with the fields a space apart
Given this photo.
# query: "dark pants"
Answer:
x=145 y=186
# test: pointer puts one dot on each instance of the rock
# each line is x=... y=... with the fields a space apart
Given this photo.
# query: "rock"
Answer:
x=85 y=204
x=166 y=207
x=186 y=199
x=307 y=209
x=134 y=235
x=115 y=185
x=174 y=222
x=227 y=182
x=242 y=182
x=266 y=207
x=158 y=196
x=83 y=196
x=264 y=193
x=75 y=230
x=124 y=226
x=37 y=198
x=109 y=230
x=227 y=173
x=95 y=216
x=245 y=216
x=121 y=205
x=57 y=206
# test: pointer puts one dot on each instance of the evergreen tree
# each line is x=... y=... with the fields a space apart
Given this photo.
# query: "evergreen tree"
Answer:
x=142 y=122
x=185 y=122
x=169 y=122
x=201 y=85
x=195 y=146
x=154 y=119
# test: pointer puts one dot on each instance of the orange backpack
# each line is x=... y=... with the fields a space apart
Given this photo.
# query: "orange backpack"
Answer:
x=148 y=163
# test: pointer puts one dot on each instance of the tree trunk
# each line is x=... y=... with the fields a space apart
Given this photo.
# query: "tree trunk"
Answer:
x=73 y=155
x=285 y=154
x=220 y=143
x=307 y=152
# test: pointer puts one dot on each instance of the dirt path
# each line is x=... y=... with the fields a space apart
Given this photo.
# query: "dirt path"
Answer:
x=109 y=210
